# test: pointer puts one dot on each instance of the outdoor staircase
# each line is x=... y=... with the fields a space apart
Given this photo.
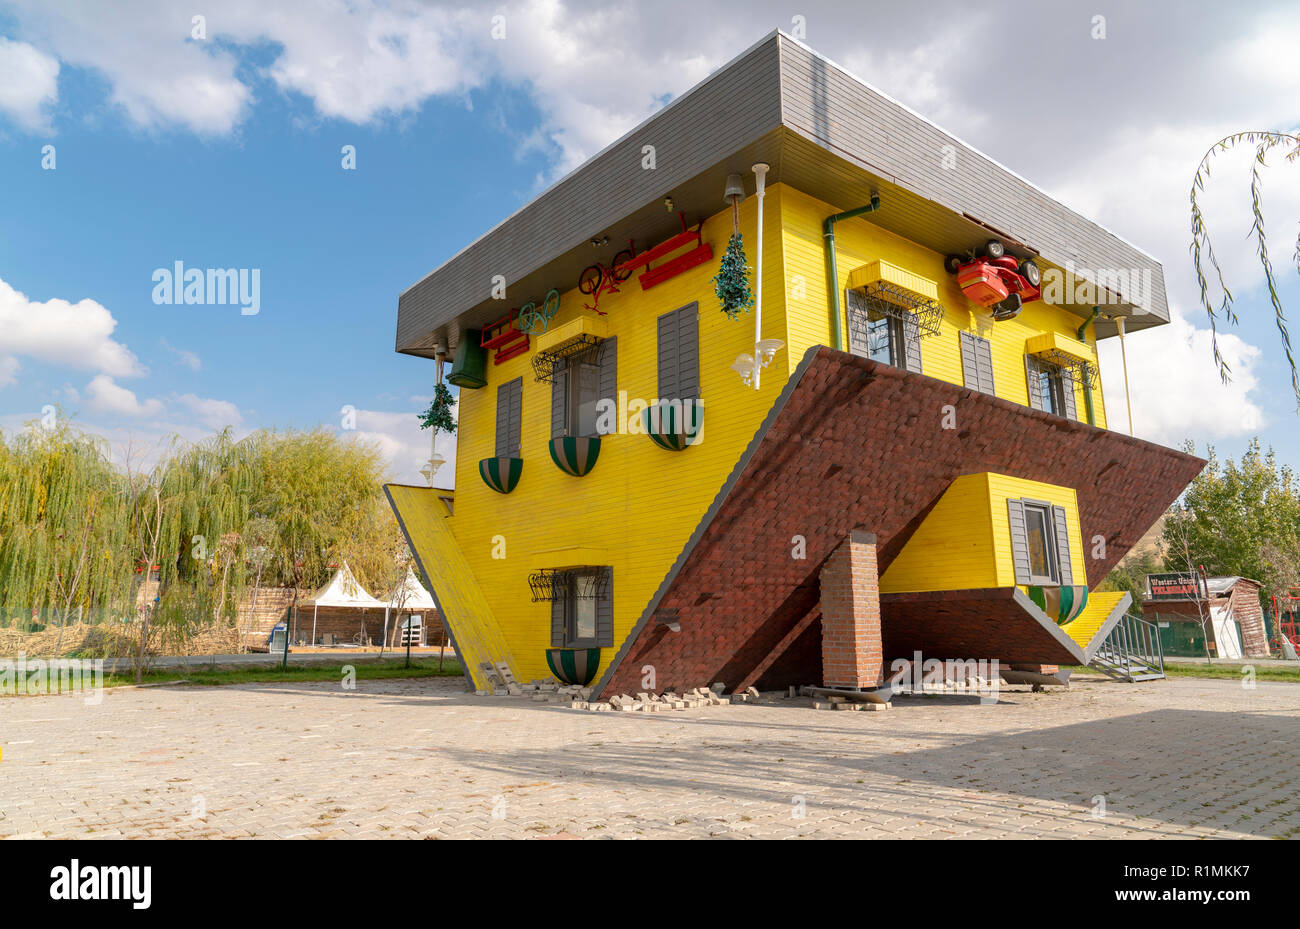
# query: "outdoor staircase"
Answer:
x=1131 y=652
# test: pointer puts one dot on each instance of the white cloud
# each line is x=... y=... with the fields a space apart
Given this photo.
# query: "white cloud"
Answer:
x=1120 y=147
x=29 y=84
x=405 y=445
x=78 y=335
x=594 y=74
x=1176 y=390
x=104 y=395
x=186 y=357
x=8 y=371
x=214 y=414
x=157 y=74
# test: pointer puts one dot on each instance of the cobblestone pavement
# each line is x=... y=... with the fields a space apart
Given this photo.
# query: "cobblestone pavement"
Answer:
x=420 y=758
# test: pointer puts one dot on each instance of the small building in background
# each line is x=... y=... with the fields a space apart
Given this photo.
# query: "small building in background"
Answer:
x=1224 y=610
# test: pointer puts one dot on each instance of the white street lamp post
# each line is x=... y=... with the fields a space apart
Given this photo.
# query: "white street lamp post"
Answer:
x=749 y=366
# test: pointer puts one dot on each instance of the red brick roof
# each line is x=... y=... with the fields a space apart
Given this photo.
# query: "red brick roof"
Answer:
x=851 y=443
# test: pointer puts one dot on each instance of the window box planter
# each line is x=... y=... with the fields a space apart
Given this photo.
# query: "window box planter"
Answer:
x=501 y=474
x=576 y=666
x=674 y=426
x=1063 y=604
x=575 y=455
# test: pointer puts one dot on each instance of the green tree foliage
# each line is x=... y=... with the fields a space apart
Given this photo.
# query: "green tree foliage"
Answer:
x=1206 y=262
x=64 y=545
x=82 y=536
x=1240 y=518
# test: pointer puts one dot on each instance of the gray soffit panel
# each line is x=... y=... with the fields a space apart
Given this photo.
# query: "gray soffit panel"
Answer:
x=823 y=132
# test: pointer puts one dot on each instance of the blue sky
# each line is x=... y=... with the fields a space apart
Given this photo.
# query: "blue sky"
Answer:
x=225 y=152
x=334 y=247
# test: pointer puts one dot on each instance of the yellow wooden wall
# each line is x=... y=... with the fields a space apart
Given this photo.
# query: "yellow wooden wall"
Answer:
x=1003 y=488
x=965 y=540
x=859 y=241
x=638 y=506
x=953 y=548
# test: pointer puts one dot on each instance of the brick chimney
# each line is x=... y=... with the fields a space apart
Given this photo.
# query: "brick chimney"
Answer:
x=850 y=603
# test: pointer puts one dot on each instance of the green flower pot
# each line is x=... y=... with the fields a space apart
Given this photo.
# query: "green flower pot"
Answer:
x=1063 y=604
x=575 y=455
x=674 y=426
x=573 y=665
x=501 y=474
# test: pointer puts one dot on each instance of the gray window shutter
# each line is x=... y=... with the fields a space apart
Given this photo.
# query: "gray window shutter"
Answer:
x=667 y=349
x=605 y=612
x=557 y=624
x=856 y=303
x=976 y=363
x=969 y=361
x=1031 y=380
x=503 y=420
x=608 y=380
x=1019 y=540
x=911 y=343
x=1062 y=533
x=688 y=352
x=558 y=404
x=679 y=354
x=1067 y=390
x=984 y=365
x=509 y=418
x=517 y=417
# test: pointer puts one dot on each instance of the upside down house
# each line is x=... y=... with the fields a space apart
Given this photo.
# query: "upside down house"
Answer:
x=901 y=446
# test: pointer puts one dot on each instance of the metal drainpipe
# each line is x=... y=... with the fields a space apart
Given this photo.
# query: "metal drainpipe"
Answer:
x=832 y=277
x=1083 y=337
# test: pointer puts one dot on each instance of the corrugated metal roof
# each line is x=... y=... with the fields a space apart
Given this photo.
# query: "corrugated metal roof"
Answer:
x=824 y=132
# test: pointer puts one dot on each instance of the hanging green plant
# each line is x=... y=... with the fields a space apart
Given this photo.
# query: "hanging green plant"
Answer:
x=732 y=283
x=438 y=415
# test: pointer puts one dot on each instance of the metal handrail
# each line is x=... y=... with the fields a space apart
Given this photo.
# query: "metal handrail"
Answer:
x=1132 y=647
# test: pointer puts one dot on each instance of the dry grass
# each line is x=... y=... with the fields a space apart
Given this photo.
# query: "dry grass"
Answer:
x=105 y=641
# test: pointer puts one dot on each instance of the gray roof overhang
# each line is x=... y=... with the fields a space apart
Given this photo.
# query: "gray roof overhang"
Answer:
x=824 y=132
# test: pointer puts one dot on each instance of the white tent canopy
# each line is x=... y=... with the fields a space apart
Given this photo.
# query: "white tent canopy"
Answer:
x=408 y=598
x=411 y=595
x=343 y=590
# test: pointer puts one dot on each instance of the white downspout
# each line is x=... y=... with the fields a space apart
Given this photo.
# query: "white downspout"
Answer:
x=760 y=176
x=1128 y=403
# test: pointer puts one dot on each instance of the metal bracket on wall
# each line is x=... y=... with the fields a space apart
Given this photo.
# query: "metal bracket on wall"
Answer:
x=547 y=363
x=549 y=585
x=881 y=299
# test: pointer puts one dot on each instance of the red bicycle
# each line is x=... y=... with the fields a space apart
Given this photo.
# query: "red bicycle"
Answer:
x=600 y=279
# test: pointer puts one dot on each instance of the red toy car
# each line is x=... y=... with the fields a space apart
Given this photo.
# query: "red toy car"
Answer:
x=994 y=279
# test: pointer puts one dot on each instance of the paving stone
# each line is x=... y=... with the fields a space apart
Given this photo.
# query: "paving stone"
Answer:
x=421 y=757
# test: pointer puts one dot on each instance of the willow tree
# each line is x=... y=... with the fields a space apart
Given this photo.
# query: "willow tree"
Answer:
x=181 y=507
x=1205 y=260
x=316 y=488
x=62 y=509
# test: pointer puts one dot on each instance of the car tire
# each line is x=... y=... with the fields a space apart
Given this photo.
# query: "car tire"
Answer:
x=952 y=263
x=1029 y=271
x=995 y=249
